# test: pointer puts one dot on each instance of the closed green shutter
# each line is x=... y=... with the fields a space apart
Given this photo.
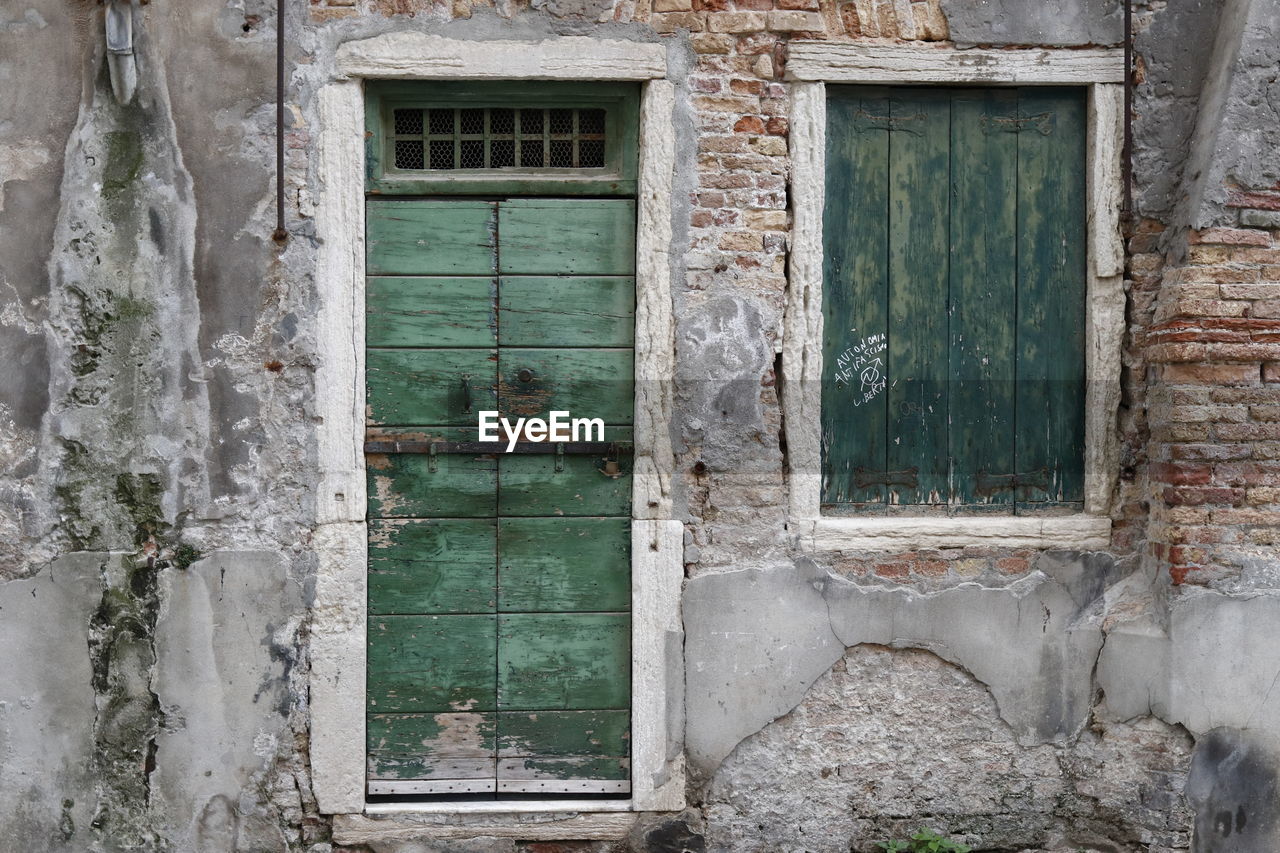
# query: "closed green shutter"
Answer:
x=499 y=584
x=954 y=300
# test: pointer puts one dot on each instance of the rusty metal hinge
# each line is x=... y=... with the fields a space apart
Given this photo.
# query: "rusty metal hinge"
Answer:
x=1043 y=123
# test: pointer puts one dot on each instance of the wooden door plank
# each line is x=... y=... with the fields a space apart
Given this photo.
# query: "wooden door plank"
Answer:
x=430 y=312
x=432 y=746
x=984 y=180
x=564 y=661
x=430 y=237
x=567 y=237
x=587 y=383
x=564 y=734
x=578 y=311
x=564 y=564
x=918 y=254
x=855 y=298
x=432 y=566
x=1051 y=293
x=530 y=485
x=426 y=386
x=564 y=745
x=431 y=663
x=402 y=485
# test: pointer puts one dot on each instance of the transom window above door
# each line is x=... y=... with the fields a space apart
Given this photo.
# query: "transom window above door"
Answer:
x=463 y=138
x=954 y=286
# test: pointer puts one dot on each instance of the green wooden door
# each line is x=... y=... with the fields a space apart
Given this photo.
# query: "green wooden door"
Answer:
x=954 y=300
x=499 y=583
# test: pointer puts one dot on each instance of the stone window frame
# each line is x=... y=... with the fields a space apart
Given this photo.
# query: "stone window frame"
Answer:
x=338 y=650
x=811 y=66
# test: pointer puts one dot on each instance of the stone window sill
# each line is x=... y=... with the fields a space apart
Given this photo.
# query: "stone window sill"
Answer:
x=1082 y=532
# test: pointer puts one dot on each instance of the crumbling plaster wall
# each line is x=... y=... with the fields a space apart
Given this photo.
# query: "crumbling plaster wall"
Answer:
x=157 y=459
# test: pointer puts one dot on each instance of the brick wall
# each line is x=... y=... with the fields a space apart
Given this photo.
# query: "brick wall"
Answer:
x=1214 y=353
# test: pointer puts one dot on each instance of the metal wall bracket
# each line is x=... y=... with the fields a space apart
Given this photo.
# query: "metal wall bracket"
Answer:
x=121 y=62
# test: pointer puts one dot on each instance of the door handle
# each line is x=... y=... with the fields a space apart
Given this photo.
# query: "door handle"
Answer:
x=466 y=393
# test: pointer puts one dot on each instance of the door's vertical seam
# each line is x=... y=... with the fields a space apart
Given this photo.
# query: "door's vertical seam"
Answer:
x=1017 y=281
x=497 y=501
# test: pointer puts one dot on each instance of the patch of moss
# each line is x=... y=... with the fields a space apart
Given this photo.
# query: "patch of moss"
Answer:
x=183 y=556
x=124 y=162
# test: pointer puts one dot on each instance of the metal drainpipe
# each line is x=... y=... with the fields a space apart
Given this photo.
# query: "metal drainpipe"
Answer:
x=281 y=236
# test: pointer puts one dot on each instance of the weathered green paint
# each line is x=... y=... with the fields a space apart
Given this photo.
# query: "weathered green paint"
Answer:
x=402 y=485
x=432 y=746
x=567 y=237
x=917 y=363
x=954 y=227
x=564 y=564
x=596 y=383
x=983 y=287
x=564 y=661
x=531 y=486
x=436 y=238
x=412 y=387
x=431 y=663
x=563 y=734
x=493 y=574
x=430 y=312
x=564 y=744
x=856 y=296
x=432 y=566
x=1051 y=292
x=543 y=311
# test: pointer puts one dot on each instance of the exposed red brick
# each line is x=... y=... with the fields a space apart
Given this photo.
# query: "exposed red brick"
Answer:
x=1182 y=474
x=1247 y=474
x=1271 y=371
x=1200 y=495
x=1260 y=199
x=749 y=124
x=932 y=568
x=1232 y=237
x=1210 y=374
x=1213 y=452
x=1012 y=565
x=900 y=571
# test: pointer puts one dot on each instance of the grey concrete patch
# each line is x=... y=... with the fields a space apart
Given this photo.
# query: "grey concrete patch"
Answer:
x=722 y=355
x=1216 y=664
x=757 y=639
x=47 y=709
x=1027 y=22
x=754 y=643
x=224 y=650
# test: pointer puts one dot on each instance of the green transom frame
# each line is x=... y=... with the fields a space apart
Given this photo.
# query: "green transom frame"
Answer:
x=954 y=300
x=499 y=584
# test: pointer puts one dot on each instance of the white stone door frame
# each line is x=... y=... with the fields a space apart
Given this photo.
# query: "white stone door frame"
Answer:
x=340 y=540
x=814 y=64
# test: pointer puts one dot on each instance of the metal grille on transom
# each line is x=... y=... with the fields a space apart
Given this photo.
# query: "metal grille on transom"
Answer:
x=446 y=138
